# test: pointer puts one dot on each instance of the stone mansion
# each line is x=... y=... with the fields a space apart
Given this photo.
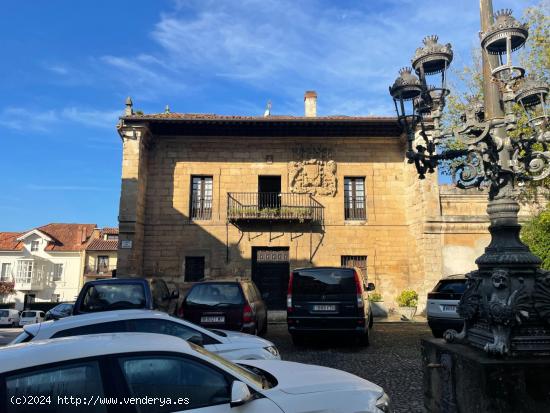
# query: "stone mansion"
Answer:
x=208 y=196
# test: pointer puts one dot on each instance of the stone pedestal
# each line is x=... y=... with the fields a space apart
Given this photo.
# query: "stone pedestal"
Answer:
x=462 y=379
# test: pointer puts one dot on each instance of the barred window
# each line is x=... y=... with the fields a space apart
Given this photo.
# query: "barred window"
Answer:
x=354 y=199
x=201 y=197
x=358 y=261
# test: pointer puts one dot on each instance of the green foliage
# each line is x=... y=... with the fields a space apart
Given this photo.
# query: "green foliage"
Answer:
x=536 y=234
x=407 y=298
x=535 y=58
x=376 y=297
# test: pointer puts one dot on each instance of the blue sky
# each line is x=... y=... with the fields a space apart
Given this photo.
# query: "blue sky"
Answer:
x=68 y=66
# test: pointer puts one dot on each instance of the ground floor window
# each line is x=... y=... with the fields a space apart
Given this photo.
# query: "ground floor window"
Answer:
x=358 y=261
x=194 y=268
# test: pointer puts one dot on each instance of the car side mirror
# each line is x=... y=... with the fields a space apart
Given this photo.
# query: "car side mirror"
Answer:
x=240 y=394
x=196 y=339
x=370 y=287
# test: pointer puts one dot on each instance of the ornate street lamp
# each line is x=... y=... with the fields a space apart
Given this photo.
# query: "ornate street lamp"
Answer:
x=506 y=305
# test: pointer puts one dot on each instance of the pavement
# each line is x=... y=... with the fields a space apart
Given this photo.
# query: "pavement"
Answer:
x=8 y=334
x=392 y=361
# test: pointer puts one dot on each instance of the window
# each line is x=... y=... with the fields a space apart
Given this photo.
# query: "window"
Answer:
x=359 y=261
x=194 y=268
x=24 y=271
x=82 y=380
x=98 y=328
x=201 y=197
x=5 y=274
x=57 y=272
x=112 y=237
x=174 y=377
x=150 y=325
x=34 y=245
x=354 y=199
x=102 y=263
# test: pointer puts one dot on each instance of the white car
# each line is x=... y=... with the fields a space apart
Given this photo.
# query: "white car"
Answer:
x=229 y=344
x=9 y=317
x=31 y=317
x=160 y=374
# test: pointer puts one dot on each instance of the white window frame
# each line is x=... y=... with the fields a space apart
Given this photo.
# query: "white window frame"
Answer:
x=35 y=245
x=58 y=276
x=5 y=275
x=25 y=271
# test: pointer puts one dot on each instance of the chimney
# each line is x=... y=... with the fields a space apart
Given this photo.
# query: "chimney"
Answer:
x=310 y=101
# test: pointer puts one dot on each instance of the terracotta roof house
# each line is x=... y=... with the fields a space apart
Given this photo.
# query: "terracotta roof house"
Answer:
x=101 y=254
x=44 y=263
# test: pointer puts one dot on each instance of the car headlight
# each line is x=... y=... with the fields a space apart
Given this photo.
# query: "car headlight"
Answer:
x=383 y=403
x=273 y=350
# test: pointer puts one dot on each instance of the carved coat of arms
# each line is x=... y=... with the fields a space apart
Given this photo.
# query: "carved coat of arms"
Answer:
x=315 y=176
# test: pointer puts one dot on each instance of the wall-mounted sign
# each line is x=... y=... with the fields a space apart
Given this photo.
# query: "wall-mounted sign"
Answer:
x=126 y=244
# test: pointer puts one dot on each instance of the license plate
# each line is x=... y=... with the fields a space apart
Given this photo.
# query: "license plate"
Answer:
x=324 y=308
x=213 y=319
x=447 y=307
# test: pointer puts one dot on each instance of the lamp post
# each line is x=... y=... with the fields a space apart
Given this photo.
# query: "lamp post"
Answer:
x=506 y=305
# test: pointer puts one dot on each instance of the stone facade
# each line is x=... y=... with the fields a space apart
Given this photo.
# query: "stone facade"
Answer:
x=413 y=232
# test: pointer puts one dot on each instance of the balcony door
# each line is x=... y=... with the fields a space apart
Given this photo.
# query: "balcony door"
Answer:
x=269 y=191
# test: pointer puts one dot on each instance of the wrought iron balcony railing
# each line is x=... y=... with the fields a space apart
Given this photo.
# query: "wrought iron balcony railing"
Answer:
x=273 y=206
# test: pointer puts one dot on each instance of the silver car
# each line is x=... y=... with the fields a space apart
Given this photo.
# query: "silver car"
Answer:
x=443 y=302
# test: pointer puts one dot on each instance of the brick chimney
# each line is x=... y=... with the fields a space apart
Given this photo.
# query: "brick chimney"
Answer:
x=310 y=102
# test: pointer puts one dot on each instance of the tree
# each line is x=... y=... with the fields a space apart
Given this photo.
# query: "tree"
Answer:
x=536 y=234
x=535 y=58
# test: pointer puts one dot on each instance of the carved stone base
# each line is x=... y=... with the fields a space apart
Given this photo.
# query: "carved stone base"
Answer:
x=459 y=378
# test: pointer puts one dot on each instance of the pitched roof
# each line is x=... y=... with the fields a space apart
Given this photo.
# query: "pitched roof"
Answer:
x=9 y=242
x=109 y=231
x=102 y=245
x=271 y=118
x=68 y=237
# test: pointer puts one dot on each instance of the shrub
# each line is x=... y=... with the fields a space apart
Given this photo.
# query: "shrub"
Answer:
x=407 y=298
x=375 y=297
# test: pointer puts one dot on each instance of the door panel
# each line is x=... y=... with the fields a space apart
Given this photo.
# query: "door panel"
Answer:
x=270 y=273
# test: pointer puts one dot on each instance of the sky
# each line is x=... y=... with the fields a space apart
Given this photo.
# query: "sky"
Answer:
x=69 y=65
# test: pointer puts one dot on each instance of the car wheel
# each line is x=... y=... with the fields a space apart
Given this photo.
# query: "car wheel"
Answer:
x=263 y=331
x=364 y=339
x=13 y=325
x=298 y=340
x=437 y=333
x=371 y=320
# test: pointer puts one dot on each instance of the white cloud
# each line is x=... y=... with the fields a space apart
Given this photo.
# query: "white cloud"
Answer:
x=33 y=120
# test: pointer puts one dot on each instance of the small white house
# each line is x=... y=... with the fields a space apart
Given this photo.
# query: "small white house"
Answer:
x=44 y=264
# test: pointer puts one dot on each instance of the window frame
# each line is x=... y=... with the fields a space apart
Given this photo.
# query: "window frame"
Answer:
x=6 y=276
x=58 y=276
x=27 y=274
x=352 y=200
x=35 y=245
x=205 y=201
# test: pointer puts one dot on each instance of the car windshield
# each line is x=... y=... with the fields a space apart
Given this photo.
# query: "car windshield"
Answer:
x=215 y=294
x=323 y=281
x=28 y=314
x=454 y=286
x=113 y=296
x=236 y=369
x=4 y=313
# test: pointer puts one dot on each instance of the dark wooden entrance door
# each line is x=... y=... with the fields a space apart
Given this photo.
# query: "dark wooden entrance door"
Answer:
x=270 y=272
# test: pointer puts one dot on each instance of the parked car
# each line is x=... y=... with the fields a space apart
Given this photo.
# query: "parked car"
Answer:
x=61 y=310
x=31 y=317
x=443 y=302
x=329 y=300
x=231 y=305
x=229 y=344
x=9 y=317
x=125 y=293
x=157 y=368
